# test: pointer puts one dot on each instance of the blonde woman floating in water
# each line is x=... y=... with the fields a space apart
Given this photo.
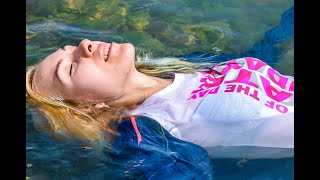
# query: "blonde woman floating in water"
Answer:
x=241 y=108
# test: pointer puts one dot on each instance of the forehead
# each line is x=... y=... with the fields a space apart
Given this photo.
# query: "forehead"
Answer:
x=44 y=75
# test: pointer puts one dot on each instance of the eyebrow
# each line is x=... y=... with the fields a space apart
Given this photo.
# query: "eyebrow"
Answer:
x=63 y=47
x=57 y=70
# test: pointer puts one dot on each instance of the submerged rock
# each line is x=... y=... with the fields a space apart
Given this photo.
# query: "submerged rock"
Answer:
x=73 y=5
x=138 y=20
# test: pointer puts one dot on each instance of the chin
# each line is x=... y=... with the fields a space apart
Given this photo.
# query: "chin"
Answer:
x=128 y=46
x=128 y=50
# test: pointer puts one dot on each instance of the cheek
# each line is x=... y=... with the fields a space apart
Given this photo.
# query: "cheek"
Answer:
x=97 y=83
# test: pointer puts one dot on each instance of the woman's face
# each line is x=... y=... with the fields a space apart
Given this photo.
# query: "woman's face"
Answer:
x=93 y=70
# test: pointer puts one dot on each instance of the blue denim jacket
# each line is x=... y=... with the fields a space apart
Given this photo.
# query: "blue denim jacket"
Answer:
x=159 y=155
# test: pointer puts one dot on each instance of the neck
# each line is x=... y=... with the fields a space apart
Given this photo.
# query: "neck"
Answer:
x=139 y=88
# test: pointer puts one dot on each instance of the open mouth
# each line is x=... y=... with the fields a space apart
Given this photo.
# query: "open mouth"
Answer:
x=107 y=51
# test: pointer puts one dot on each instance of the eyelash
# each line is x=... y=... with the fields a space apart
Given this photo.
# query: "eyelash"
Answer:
x=70 y=69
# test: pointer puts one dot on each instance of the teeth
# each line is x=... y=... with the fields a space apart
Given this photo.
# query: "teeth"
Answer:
x=106 y=52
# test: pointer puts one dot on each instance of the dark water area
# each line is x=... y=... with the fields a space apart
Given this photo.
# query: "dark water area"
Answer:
x=199 y=31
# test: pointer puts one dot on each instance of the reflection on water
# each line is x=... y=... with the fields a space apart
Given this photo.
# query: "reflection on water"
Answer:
x=165 y=28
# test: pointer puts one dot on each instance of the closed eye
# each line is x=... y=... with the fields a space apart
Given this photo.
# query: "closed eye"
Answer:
x=71 y=69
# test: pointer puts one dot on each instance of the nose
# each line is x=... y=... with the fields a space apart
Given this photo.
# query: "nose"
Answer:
x=85 y=48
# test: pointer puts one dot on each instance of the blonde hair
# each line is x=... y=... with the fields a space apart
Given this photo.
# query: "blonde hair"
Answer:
x=96 y=128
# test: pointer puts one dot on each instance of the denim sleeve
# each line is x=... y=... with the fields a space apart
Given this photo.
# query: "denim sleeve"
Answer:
x=159 y=155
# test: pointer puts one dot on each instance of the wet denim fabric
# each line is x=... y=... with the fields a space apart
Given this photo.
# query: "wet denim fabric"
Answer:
x=159 y=155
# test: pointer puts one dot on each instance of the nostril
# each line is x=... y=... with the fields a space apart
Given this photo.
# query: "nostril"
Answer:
x=89 y=48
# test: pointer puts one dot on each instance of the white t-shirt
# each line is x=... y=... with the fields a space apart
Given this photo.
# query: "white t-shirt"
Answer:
x=241 y=109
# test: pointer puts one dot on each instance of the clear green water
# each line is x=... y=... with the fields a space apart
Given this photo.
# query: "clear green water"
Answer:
x=164 y=28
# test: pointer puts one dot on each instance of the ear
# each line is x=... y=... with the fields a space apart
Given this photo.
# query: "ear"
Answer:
x=87 y=109
x=93 y=108
x=101 y=105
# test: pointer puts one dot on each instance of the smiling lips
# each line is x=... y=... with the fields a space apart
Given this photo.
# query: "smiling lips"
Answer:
x=107 y=49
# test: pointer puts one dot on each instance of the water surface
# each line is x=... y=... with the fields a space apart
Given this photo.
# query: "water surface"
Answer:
x=159 y=27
